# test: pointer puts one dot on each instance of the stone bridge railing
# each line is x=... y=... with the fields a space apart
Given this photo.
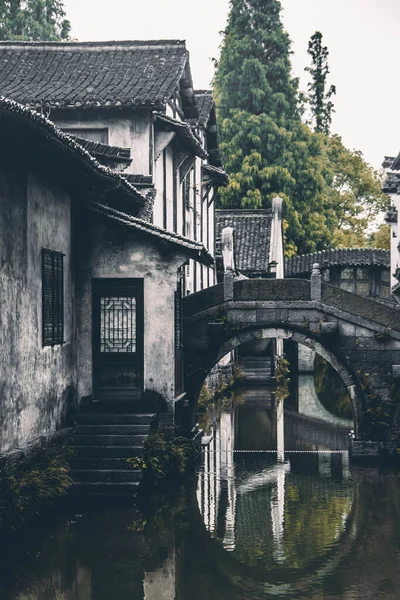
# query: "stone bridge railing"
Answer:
x=293 y=290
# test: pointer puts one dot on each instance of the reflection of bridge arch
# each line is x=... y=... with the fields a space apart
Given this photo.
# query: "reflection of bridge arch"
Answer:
x=244 y=581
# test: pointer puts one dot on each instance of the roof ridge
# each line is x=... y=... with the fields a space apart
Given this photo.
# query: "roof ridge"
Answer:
x=109 y=44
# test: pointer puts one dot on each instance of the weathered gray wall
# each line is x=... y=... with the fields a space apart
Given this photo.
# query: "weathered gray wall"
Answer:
x=36 y=382
x=112 y=251
x=126 y=129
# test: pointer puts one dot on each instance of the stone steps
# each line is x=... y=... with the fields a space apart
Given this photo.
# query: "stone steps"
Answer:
x=111 y=429
x=107 y=451
x=106 y=476
x=117 y=419
x=105 y=436
x=109 y=440
x=256 y=369
x=95 y=463
x=127 y=488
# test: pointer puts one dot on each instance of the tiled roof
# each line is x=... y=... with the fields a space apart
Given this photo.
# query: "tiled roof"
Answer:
x=298 y=265
x=195 y=249
x=104 y=151
x=33 y=138
x=184 y=131
x=96 y=74
x=216 y=174
x=252 y=230
x=205 y=103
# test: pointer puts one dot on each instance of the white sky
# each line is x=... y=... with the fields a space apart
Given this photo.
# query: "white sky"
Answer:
x=361 y=35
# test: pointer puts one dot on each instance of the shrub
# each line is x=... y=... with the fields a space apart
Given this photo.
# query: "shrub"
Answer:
x=32 y=483
x=164 y=456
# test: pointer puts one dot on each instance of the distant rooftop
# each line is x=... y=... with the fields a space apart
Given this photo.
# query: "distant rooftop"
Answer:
x=96 y=74
x=344 y=257
x=252 y=229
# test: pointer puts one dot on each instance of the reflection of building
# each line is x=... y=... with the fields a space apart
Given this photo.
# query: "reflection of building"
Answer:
x=263 y=510
x=216 y=492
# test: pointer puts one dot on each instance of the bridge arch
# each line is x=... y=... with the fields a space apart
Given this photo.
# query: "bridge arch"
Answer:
x=358 y=336
x=294 y=334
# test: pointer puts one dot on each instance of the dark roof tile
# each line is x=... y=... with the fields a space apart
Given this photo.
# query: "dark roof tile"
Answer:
x=205 y=103
x=252 y=230
x=93 y=74
x=302 y=265
x=195 y=249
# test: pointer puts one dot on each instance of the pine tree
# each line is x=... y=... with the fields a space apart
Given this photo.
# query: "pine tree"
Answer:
x=320 y=99
x=267 y=150
x=33 y=20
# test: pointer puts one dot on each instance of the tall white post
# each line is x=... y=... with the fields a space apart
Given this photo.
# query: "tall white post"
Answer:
x=276 y=255
x=279 y=405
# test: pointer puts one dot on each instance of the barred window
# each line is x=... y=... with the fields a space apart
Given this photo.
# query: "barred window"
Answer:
x=52 y=297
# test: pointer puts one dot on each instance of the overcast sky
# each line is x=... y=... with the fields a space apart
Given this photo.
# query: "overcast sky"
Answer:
x=361 y=35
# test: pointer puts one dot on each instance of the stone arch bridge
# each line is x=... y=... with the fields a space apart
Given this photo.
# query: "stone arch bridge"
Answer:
x=358 y=336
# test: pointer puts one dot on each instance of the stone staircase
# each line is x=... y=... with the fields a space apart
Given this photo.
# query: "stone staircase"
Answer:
x=105 y=436
x=256 y=369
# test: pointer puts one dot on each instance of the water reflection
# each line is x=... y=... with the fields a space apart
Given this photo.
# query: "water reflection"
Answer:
x=267 y=512
x=248 y=528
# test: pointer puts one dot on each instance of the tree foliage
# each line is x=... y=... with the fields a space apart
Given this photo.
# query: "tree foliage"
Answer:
x=33 y=20
x=380 y=238
x=319 y=99
x=328 y=191
x=354 y=192
x=267 y=150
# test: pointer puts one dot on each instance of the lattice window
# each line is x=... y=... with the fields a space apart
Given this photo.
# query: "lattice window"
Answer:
x=52 y=298
x=118 y=324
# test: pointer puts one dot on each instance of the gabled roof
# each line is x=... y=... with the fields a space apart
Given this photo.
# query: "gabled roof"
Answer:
x=97 y=74
x=344 y=257
x=194 y=249
x=252 y=229
x=30 y=138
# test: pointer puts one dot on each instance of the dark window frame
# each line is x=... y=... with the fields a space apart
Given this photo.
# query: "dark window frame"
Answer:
x=52 y=297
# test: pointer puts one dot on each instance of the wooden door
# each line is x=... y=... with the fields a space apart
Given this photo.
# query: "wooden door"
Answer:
x=117 y=339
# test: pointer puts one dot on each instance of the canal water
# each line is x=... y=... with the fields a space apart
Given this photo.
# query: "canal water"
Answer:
x=248 y=526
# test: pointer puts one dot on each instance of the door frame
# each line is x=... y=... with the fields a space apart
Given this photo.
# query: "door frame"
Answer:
x=119 y=286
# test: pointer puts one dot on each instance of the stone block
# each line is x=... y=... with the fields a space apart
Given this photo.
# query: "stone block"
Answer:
x=242 y=316
x=347 y=329
x=396 y=372
x=329 y=327
x=363 y=332
x=245 y=337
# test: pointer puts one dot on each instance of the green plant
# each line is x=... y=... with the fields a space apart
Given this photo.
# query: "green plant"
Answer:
x=282 y=371
x=383 y=336
x=33 y=483
x=164 y=456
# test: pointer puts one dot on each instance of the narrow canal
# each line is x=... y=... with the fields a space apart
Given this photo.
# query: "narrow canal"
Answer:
x=246 y=527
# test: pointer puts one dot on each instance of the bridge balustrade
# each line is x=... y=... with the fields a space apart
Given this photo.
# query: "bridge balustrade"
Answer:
x=274 y=290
